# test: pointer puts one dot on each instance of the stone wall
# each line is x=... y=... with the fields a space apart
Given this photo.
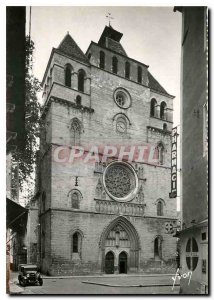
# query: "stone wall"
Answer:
x=59 y=221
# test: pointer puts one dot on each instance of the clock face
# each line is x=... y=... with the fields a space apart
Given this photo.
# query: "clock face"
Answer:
x=121 y=127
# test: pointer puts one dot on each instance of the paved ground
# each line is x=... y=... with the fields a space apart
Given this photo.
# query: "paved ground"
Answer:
x=121 y=284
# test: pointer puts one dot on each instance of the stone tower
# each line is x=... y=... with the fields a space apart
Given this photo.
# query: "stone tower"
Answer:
x=103 y=208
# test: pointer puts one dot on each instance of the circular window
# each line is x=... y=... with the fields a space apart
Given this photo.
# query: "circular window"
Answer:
x=192 y=254
x=122 y=98
x=120 y=181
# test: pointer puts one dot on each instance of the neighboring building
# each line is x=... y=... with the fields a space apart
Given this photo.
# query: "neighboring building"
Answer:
x=15 y=113
x=99 y=217
x=33 y=232
x=17 y=218
x=194 y=150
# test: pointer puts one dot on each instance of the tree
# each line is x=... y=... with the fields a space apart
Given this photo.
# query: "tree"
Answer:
x=25 y=155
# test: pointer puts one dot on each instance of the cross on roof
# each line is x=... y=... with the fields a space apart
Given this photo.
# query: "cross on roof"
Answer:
x=109 y=18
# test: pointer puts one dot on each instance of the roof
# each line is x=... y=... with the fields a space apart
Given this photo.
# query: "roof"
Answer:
x=155 y=85
x=16 y=214
x=110 y=38
x=69 y=47
x=28 y=266
x=110 y=32
x=115 y=46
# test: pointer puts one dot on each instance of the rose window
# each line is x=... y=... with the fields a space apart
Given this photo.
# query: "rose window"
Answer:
x=120 y=181
x=122 y=98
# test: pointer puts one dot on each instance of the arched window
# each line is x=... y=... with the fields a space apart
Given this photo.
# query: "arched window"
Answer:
x=139 y=74
x=163 y=110
x=153 y=108
x=81 y=79
x=45 y=91
x=127 y=70
x=164 y=126
x=89 y=56
x=114 y=64
x=75 y=242
x=51 y=72
x=158 y=247
x=75 y=200
x=160 y=149
x=159 y=208
x=102 y=60
x=75 y=132
x=78 y=100
x=68 y=75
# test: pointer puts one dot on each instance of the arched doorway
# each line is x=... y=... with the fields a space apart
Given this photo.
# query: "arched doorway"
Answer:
x=123 y=263
x=120 y=236
x=109 y=263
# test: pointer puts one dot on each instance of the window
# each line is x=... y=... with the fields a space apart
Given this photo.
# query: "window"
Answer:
x=51 y=72
x=68 y=75
x=75 y=200
x=102 y=60
x=75 y=242
x=164 y=126
x=192 y=254
x=127 y=70
x=204 y=236
x=163 y=110
x=159 y=208
x=122 y=98
x=153 y=106
x=89 y=56
x=204 y=266
x=158 y=247
x=160 y=149
x=114 y=64
x=81 y=79
x=78 y=100
x=45 y=91
x=75 y=132
x=139 y=74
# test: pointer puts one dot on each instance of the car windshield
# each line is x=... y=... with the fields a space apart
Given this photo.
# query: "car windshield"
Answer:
x=29 y=269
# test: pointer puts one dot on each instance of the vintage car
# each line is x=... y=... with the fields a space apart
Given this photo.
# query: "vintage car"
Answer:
x=29 y=274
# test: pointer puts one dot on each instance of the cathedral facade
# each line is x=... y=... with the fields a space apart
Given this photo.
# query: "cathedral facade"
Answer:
x=105 y=163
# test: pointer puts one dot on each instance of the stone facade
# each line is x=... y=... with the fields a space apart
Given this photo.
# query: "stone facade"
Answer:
x=84 y=230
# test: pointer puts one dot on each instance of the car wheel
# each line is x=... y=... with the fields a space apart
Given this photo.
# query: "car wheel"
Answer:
x=40 y=282
x=20 y=283
x=23 y=283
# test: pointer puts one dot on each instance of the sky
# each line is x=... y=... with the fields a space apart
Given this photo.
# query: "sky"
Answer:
x=151 y=35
